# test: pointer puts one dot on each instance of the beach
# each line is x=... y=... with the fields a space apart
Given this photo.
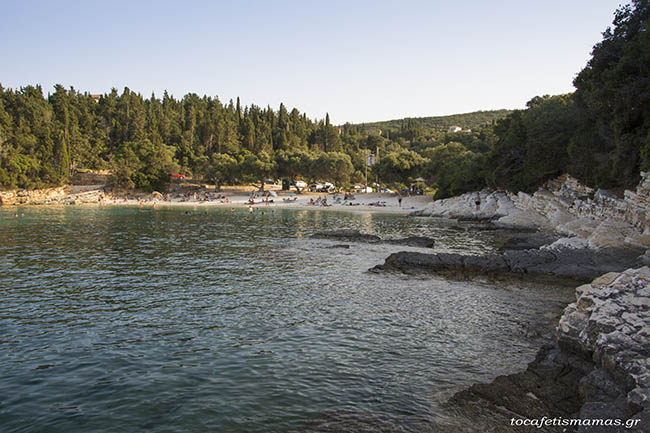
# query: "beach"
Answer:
x=239 y=197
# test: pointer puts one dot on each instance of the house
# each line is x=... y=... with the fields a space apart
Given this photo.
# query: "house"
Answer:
x=455 y=128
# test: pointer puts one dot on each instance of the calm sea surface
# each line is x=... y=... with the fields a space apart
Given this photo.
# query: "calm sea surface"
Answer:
x=120 y=320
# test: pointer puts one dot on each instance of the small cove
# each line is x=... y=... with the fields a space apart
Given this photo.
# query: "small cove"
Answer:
x=116 y=319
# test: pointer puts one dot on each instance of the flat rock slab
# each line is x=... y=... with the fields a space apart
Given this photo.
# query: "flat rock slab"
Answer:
x=357 y=236
x=572 y=265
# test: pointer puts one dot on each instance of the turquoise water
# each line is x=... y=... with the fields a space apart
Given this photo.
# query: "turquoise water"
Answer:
x=120 y=320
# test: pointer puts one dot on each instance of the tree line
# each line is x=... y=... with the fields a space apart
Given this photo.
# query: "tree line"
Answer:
x=144 y=140
x=599 y=134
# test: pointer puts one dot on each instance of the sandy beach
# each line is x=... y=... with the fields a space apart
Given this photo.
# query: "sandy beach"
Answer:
x=239 y=197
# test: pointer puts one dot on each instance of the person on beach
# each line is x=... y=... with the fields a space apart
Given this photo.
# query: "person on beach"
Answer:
x=399 y=200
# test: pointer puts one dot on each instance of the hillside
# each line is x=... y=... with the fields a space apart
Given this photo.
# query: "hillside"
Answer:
x=442 y=123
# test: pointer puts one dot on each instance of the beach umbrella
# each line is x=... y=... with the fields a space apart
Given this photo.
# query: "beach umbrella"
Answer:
x=156 y=194
x=291 y=194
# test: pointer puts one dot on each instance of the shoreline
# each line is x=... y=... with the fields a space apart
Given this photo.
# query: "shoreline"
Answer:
x=597 y=234
x=229 y=197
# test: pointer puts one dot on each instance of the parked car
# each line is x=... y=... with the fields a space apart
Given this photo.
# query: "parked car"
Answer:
x=315 y=187
x=80 y=169
x=322 y=187
x=177 y=177
x=300 y=184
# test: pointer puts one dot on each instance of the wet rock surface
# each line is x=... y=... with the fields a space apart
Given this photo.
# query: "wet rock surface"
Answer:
x=566 y=264
x=527 y=241
x=357 y=236
x=598 y=367
x=347 y=236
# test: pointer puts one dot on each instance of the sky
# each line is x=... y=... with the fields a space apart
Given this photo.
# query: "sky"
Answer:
x=359 y=61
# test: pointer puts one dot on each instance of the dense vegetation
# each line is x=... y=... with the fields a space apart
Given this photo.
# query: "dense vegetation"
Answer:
x=143 y=140
x=476 y=119
x=600 y=134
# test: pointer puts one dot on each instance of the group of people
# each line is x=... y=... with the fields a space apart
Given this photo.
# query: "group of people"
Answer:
x=318 y=202
x=266 y=197
x=204 y=197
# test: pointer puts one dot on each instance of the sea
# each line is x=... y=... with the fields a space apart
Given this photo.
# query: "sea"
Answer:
x=193 y=319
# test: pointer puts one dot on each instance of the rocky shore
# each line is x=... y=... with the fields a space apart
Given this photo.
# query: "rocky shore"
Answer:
x=564 y=265
x=357 y=236
x=585 y=218
x=53 y=196
x=597 y=366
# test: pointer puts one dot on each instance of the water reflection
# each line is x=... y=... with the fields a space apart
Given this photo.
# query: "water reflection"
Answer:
x=120 y=320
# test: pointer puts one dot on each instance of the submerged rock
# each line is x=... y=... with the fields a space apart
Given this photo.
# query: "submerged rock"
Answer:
x=357 y=236
x=347 y=235
x=527 y=241
x=597 y=368
x=413 y=241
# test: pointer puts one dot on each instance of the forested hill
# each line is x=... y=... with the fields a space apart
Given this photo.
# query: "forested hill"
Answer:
x=600 y=134
x=442 y=123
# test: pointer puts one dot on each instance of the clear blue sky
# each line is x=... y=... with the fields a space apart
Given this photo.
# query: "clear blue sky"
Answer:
x=358 y=60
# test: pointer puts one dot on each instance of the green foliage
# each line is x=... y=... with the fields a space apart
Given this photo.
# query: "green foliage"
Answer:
x=257 y=167
x=292 y=164
x=614 y=101
x=454 y=169
x=600 y=134
x=411 y=128
x=533 y=144
x=399 y=165
x=334 y=166
x=222 y=168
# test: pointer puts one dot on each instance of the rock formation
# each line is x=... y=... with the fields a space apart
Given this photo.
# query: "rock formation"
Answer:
x=357 y=236
x=598 y=368
x=60 y=195
x=586 y=218
x=566 y=265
